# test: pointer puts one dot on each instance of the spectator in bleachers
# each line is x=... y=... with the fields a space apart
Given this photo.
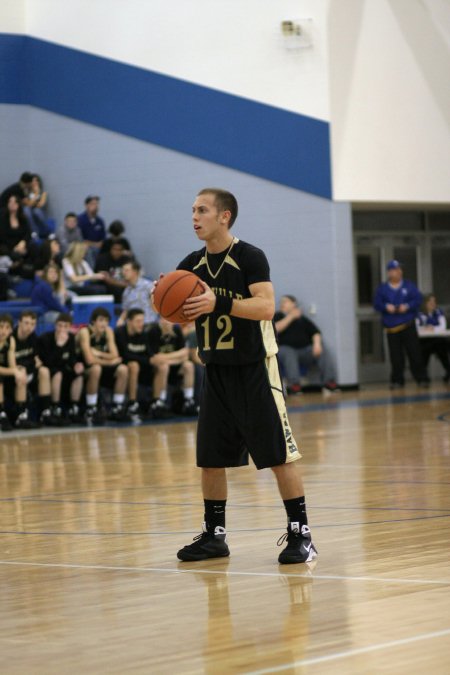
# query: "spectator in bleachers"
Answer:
x=79 y=276
x=167 y=340
x=38 y=376
x=144 y=367
x=136 y=293
x=57 y=349
x=115 y=233
x=34 y=209
x=92 y=227
x=111 y=265
x=49 y=251
x=15 y=236
x=49 y=293
x=300 y=344
x=104 y=367
x=19 y=190
x=431 y=319
x=13 y=379
x=68 y=232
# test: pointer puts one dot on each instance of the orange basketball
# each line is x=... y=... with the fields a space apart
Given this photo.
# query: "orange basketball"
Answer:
x=172 y=291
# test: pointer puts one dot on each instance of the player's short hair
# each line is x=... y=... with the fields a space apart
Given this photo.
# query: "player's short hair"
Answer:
x=7 y=318
x=99 y=312
x=64 y=317
x=224 y=201
x=27 y=313
x=134 y=311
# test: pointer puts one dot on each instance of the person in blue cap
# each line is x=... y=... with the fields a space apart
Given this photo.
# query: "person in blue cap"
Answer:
x=398 y=301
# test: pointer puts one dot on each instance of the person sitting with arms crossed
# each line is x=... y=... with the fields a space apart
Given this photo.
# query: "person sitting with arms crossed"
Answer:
x=103 y=366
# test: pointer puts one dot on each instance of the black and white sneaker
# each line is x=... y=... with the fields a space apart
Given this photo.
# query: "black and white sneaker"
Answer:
x=5 y=424
x=206 y=545
x=23 y=421
x=190 y=408
x=75 y=415
x=119 y=413
x=300 y=548
x=158 y=410
x=134 y=411
x=94 y=416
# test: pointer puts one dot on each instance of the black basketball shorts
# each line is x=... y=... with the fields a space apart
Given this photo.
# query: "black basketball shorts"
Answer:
x=242 y=413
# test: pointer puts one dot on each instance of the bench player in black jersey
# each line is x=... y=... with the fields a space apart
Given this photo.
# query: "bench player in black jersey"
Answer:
x=242 y=409
x=103 y=367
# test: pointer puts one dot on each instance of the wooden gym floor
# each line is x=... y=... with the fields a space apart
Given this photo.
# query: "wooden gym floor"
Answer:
x=91 y=520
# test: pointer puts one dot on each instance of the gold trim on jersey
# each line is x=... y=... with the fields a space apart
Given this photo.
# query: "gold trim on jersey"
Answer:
x=227 y=260
x=273 y=373
x=268 y=337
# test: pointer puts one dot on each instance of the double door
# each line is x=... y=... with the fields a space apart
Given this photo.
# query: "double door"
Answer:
x=426 y=261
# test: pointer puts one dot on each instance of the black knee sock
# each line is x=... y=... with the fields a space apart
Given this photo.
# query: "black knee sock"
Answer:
x=214 y=514
x=44 y=403
x=296 y=511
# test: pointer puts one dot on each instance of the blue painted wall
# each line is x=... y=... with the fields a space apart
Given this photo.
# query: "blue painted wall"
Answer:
x=262 y=140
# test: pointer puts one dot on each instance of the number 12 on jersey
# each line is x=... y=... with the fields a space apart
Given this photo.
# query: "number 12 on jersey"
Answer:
x=224 y=326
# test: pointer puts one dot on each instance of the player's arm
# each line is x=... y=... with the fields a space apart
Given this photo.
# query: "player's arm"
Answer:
x=112 y=355
x=260 y=307
x=85 y=347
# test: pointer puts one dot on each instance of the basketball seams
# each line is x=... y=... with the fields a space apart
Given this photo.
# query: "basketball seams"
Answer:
x=183 y=277
x=188 y=296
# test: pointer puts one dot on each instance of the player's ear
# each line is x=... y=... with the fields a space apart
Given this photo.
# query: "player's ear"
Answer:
x=226 y=216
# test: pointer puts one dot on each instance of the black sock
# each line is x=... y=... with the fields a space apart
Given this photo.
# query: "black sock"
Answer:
x=21 y=406
x=296 y=511
x=44 y=402
x=214 y=514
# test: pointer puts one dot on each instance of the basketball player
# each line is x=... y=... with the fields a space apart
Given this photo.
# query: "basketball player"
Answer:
x=242 y=409
x=103 y=367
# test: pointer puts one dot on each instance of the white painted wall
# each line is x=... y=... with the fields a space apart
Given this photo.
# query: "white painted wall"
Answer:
x=12 y=16
x=390 y=99
x=231 y=45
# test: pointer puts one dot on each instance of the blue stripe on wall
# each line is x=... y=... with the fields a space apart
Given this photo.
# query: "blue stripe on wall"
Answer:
x=262 y=140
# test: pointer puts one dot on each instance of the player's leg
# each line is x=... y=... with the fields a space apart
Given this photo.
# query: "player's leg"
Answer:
x=188 y=374
x=57 y=417
x=75 y=392
x=134 y=370
x=5 y=424
x=158 y=406
x=119 y=411
x=93 y=375
x=219 y=444
x=42 y=375
x=211 y=543
x=23 y=420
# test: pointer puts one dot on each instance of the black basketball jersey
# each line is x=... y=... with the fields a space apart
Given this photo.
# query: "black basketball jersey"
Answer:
x=26 y=350
x=98 y=342
x=226 y=339
x=4 y=353
x=57 y=357
x=133 y=347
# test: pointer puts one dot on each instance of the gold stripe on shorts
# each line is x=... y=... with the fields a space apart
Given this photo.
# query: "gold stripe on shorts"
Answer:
x=292 y=451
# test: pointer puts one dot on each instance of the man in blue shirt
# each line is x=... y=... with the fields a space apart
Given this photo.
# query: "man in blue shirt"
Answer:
x=92 y=228
x=398 y=300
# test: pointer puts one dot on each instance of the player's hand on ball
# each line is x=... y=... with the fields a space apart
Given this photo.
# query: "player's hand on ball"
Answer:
x=200 y=304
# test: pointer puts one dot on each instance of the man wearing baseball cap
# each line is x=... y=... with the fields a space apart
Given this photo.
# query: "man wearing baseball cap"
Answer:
x=398 y=300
